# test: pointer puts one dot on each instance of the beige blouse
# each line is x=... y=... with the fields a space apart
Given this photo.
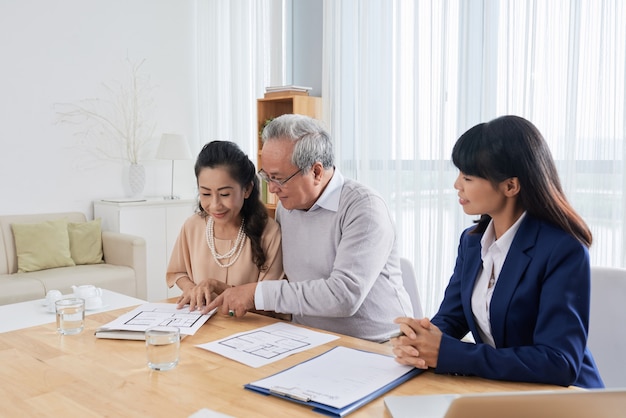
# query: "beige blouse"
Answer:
x=191 y=256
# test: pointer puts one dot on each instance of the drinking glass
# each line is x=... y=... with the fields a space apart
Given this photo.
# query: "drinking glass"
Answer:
x=70 y=315
x=162 y=347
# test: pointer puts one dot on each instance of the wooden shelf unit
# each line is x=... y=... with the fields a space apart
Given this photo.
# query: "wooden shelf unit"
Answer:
x=273 y=105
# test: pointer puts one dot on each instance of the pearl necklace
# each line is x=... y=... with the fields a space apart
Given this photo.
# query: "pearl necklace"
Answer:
x=236 y=249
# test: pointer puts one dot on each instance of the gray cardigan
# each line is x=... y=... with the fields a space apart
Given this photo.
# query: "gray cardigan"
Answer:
x=342 y=264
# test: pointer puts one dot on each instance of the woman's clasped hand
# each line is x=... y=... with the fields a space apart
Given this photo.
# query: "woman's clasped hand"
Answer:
x=419 y=346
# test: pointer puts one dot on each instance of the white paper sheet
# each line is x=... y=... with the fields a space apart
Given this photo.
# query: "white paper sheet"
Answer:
x=267 y=344
x=159 y=314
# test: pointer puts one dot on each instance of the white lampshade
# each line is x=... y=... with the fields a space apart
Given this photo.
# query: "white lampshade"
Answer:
x=173 y=147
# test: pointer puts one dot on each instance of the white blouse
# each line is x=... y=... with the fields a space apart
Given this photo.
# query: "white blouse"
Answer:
x=493 y=253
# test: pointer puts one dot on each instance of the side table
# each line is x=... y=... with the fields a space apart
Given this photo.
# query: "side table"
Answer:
x=33 y=312
x=158 y=221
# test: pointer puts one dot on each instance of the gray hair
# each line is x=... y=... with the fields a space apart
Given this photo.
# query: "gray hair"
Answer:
x=312 y=142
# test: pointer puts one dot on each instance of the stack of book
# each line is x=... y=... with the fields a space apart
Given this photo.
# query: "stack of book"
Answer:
x=274 y=91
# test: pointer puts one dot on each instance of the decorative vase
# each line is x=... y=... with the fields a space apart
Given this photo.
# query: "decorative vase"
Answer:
x=136 y=179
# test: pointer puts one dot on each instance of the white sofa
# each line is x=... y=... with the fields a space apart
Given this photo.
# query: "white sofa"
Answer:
x=123 y=270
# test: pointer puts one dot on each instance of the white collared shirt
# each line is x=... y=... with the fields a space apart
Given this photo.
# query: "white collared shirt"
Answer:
x=493 y=253
x=329 y=199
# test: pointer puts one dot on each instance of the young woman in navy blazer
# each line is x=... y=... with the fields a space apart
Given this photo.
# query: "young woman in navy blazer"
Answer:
x=521 y=282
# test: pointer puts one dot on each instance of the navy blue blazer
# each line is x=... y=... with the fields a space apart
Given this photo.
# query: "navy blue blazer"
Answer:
x=539 y=311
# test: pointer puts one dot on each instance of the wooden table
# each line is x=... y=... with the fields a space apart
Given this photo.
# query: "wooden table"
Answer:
x=46 y=374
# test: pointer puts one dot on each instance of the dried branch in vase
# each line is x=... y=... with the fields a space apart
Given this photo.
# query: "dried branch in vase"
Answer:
x=116 y=128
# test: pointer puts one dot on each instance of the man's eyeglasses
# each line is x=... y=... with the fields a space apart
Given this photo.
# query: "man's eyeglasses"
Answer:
x=280 y=183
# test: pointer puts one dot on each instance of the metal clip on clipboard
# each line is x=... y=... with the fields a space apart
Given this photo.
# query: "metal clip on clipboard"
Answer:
x=292 y=393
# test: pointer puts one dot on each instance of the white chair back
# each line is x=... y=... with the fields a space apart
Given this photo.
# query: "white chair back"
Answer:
x=410 y=284
x=607 y=324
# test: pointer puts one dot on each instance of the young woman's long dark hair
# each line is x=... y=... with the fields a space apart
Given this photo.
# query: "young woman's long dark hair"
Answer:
x=511 y=146
x=228 y=155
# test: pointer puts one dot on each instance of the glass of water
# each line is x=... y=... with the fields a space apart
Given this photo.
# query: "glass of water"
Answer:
x=162 y=347
x=70 y=315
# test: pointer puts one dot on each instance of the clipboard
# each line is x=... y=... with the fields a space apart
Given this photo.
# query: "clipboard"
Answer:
x=304 y=392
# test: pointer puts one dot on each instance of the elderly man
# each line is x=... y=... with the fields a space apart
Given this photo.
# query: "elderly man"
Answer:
x=339 y=241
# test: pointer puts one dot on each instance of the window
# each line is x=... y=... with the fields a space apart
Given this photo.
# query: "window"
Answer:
x=406 y=78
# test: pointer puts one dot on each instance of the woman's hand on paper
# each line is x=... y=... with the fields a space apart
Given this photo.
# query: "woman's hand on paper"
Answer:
x=234 y=301
x=419 y=346
x=201 y=294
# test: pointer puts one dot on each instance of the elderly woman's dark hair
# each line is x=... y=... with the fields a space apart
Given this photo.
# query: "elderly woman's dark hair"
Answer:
x=229 y=156
x=511 y=146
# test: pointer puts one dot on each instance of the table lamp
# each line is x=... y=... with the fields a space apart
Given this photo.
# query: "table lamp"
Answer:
x=173 y=147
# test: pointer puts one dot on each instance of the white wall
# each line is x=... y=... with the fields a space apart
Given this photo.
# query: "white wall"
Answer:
x=63 y=51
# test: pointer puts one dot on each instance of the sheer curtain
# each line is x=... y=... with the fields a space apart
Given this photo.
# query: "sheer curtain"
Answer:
x=561 y=64
x=402 y=80
x=240 y=52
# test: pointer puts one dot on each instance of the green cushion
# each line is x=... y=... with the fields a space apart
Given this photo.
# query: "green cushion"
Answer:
x=86 y=242
x=42 y=246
